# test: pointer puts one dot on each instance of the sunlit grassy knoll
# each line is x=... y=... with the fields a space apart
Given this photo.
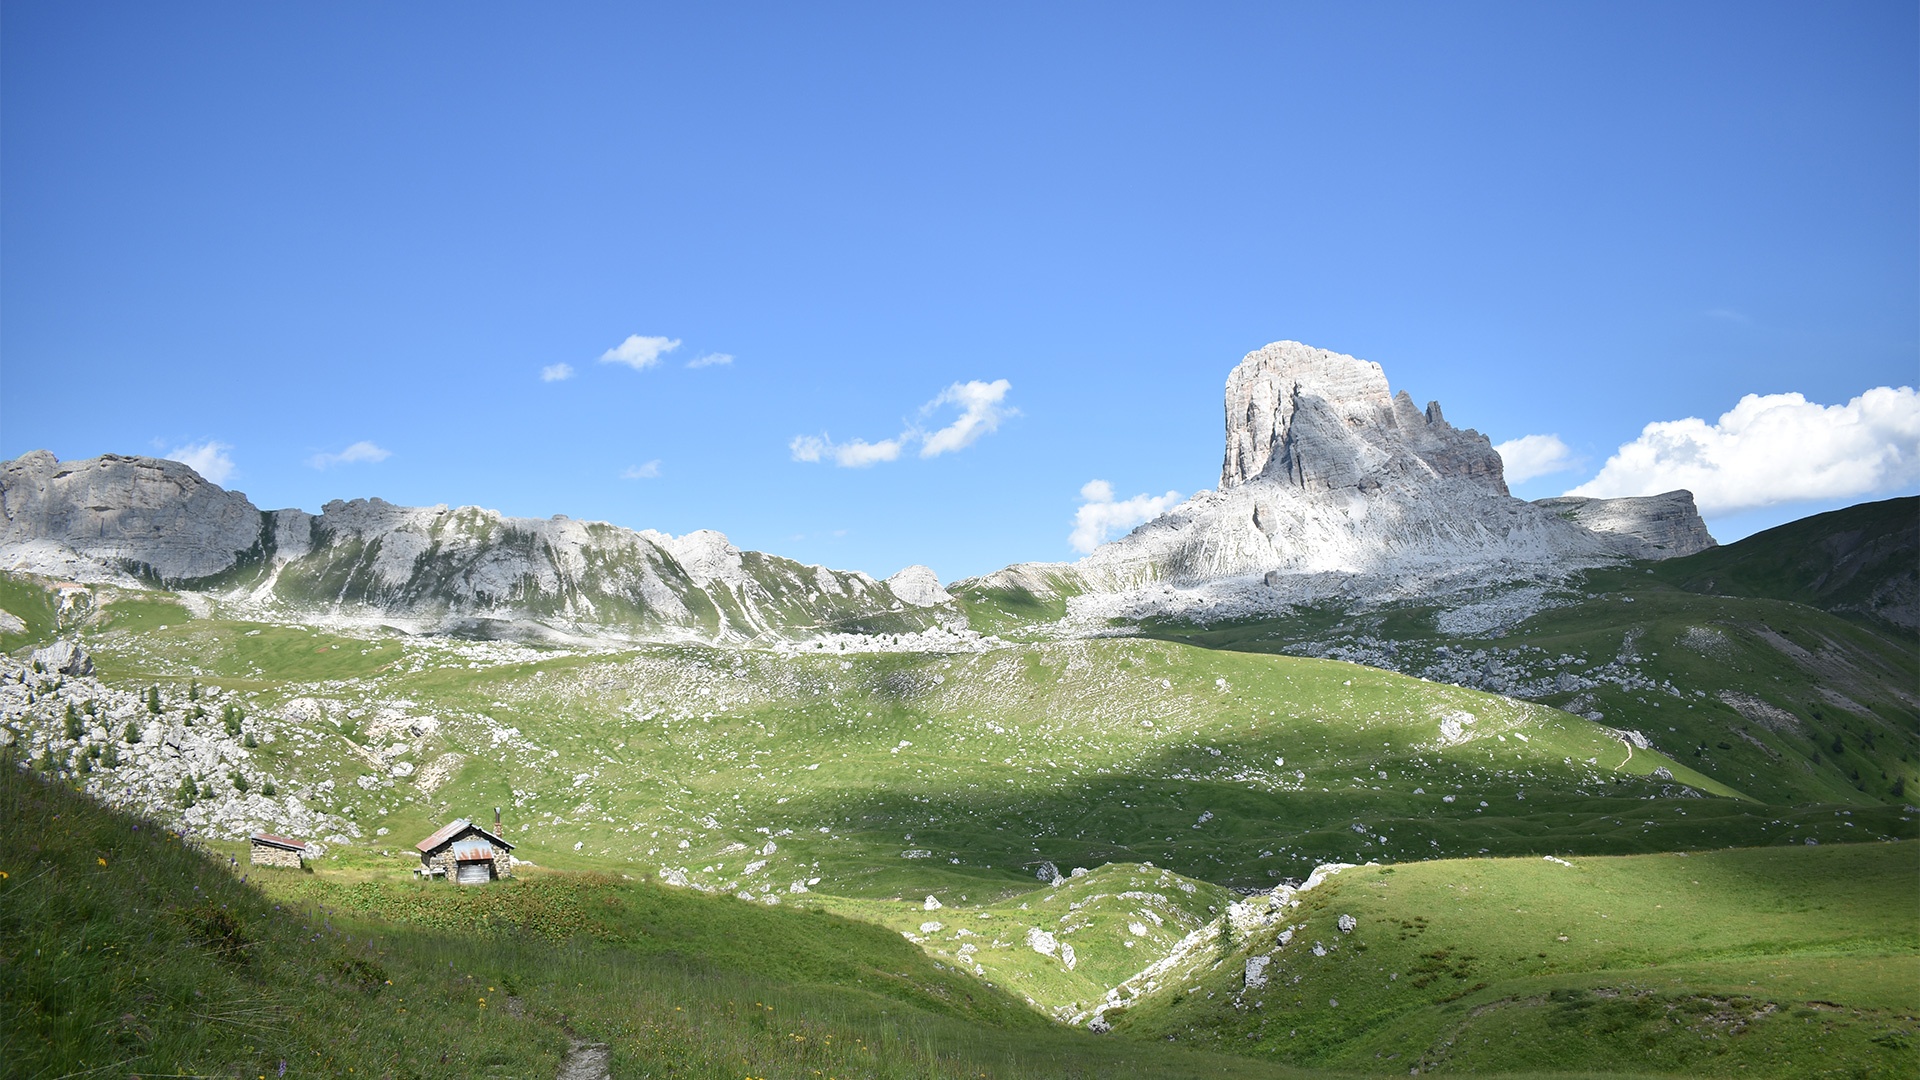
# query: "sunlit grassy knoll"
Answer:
x=1728 y=963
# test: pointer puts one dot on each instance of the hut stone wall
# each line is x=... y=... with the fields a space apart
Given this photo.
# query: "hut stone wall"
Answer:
x=442 y=859
x=268 y=855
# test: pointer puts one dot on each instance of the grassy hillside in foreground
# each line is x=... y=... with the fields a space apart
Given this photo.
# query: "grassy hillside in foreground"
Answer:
x=1785 y=962
x=125 y=952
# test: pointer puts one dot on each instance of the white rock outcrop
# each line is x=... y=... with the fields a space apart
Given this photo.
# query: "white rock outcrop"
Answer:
x=120 y=519
x=1331 y=486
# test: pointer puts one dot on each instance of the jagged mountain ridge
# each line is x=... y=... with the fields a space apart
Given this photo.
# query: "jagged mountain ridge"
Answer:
x=137 y=520
x=1331 y=485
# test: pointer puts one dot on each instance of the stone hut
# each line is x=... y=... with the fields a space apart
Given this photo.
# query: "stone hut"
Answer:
x=465 y=853
x=271 y=850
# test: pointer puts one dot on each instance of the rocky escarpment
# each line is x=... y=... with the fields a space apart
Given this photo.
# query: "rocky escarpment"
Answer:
x=131 y=520
x=1320 y=421
x=1650 y=527
x=129 y=517
x=1332 y=486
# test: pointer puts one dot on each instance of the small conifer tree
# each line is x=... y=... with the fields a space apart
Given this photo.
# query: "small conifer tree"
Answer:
x=153 y=700
x=132 y=732
x=267 y=789
x=74 y=728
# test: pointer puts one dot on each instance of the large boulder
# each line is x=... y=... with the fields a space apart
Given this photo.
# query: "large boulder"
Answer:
x=64 y=658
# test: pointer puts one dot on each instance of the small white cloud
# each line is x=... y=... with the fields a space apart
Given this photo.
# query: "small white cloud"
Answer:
x=807 y=447
x=860 y=453
x=1534 y=455
x=712 y=359
x=359 y=453
x=639 y=353
x=1100 y=517
x=1773 y=448
x=209 y=459
x=980 y=413
x=1727 y=315
x=857 y=454
x=641 y=472
x=556 y=372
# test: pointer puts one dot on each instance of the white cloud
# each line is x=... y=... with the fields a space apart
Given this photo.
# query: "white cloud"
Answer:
x=1100 y=517
x=712 y=359
x=1773 y=448
x=857 y=454
x=980 y=413
x=639 y=353
x=1534 y=455
x=358 y=453
x=641 y=472
x=556 y=372
x=209 y=459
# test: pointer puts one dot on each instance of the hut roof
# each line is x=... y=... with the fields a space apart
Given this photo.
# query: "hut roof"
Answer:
x=279 y=841
x=455 y=828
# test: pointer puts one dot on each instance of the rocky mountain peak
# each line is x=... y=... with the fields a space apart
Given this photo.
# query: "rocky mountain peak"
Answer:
x=1323 y=421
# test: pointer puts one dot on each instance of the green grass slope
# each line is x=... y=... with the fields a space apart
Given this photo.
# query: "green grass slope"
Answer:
x=902 y=774
x=125 y=952
x=1863 y=561
x=1764 y=692
x=1729 y=963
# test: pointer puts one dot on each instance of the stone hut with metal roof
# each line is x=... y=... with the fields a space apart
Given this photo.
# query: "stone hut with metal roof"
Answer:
x=465 y=853
x=271 y=850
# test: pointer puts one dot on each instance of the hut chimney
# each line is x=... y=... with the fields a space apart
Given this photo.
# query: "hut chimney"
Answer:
x=496 y=821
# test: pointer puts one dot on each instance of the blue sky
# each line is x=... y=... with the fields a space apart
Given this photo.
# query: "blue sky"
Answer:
x=343 y=242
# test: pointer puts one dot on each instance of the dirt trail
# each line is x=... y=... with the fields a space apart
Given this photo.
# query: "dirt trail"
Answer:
x=586 y=1061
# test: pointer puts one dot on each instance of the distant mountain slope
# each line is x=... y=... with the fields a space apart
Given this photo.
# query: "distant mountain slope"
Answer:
x=135 y=520
x=1863 y=561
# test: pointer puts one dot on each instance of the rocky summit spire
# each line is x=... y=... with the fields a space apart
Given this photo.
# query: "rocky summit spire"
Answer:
x=1323 y=421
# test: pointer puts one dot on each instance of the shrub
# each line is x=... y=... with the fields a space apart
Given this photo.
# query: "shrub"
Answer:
x=267 y=789
x=74 y=728
x=133 y=732
x=153 y=700
x=250 y=742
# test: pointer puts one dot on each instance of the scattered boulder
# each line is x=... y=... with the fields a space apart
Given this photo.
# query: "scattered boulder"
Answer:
x=1257 y=971
x=64 y=658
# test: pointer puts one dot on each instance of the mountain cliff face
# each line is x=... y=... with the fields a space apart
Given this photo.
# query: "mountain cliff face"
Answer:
x=135 y=520
x=1332 y=485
